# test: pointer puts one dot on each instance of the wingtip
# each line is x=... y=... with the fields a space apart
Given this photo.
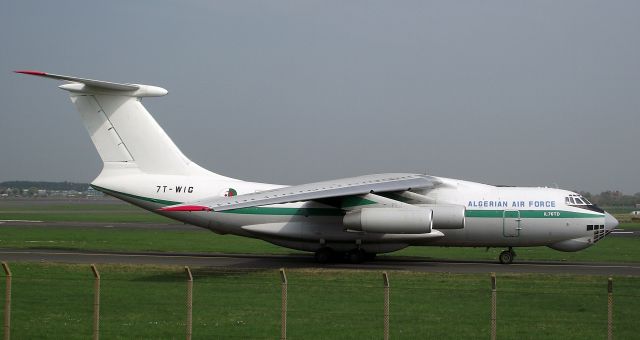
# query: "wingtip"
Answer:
x=31 y=72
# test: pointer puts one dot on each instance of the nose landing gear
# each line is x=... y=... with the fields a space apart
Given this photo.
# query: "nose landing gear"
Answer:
x=507 y=256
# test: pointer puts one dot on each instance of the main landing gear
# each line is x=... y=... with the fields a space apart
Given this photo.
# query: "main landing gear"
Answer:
x=326 y=254
x=507 y=256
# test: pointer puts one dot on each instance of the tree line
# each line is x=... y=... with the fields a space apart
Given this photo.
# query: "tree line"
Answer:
x=612 y=198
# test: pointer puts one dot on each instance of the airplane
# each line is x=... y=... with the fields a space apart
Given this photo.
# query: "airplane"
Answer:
x=350 y=219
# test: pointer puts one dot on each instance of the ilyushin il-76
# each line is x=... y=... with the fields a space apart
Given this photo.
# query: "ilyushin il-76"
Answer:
x=350 y=218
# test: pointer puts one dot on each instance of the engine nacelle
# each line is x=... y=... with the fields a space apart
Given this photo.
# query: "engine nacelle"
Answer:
x=390 y=220
x=447 y=216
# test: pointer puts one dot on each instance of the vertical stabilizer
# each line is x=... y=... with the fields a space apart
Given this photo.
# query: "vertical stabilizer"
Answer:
x=122 y=129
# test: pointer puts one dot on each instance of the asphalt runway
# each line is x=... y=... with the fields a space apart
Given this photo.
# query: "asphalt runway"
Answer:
x=621 y=232
x=257 y=262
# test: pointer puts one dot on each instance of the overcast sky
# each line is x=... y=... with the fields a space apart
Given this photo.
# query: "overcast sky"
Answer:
x=535 y=93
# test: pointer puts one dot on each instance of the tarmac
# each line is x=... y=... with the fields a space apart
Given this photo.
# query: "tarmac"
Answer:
x=257 y=262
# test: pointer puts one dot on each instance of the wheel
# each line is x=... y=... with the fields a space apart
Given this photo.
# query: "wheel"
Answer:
x=323 y=255
x=506 y=257
x=356 y=256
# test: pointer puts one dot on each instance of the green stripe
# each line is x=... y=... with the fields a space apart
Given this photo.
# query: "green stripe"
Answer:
x=530 y=214
x=354 y=201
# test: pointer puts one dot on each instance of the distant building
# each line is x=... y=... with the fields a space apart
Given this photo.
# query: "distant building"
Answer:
x=93 y=193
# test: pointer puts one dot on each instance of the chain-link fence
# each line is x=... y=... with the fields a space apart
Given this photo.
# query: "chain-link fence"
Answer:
x=74 y=301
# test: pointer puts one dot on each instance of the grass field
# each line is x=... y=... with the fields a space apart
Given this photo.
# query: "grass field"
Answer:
x=149 y=302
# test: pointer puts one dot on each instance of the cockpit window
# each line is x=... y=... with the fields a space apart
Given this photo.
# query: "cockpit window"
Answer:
x=575 y=199
x=578 y=201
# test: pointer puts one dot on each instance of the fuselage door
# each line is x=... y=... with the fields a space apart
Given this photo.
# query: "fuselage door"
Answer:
x=511 y=223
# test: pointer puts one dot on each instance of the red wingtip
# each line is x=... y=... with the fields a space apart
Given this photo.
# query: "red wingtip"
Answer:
x=33 y=73
x=186 y=208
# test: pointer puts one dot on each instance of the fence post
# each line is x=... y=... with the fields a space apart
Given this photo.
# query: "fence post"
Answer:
x=7 y=302
x=610 y=309
x=283 y=316
x=493 y=306
x=96 y=302
x=189 y=302
x=385 y=279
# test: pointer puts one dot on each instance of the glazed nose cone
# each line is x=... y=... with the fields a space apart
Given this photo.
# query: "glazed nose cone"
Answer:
x=610 y=222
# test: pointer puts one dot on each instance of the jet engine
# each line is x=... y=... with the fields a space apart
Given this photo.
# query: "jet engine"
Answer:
x=390 y=220
x=447 y=216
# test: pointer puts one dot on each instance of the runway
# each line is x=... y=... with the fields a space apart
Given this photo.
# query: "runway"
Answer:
x=250 y=261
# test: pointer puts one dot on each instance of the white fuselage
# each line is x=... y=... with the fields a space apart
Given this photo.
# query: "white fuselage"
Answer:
x=494 y=216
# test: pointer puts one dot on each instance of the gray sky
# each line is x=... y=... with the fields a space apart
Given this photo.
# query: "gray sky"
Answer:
x=536 y=93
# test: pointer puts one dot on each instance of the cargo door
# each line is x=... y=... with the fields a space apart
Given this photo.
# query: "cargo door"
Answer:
x=511 y=223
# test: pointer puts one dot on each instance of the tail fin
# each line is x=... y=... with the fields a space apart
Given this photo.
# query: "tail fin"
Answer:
x=120 y=127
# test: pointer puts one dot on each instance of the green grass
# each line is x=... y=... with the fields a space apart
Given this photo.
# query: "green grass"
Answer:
x=70 y=212
x=132 y=240
x=611 y=249
x=148 y=302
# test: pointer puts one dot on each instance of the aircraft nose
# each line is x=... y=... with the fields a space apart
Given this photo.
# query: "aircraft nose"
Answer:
x=610 y=222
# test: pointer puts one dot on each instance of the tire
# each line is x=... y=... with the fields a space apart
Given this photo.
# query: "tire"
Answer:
x=356 y=256
x=323 y=255
x=506 y=257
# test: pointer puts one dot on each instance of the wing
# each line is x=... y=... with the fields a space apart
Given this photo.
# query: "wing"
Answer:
x=378 y=183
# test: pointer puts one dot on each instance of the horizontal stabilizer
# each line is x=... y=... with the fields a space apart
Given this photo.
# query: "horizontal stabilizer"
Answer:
x=137 y=90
